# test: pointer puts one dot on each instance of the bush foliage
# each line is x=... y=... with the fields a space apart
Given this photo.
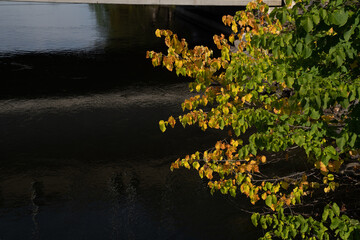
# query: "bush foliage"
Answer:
x=281 y=82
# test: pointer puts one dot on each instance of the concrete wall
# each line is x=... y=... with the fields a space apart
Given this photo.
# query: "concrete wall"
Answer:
x=164 y=2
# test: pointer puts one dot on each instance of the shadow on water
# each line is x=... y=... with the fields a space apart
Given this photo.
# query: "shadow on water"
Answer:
x=81 y=153
x=110 y=55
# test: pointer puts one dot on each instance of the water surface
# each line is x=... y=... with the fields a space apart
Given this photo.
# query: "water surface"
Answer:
x=81 y=155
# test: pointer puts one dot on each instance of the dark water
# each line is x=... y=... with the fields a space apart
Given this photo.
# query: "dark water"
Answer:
x=81 y=155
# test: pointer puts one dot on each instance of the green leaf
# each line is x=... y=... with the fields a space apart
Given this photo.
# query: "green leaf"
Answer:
x=221 y=123
x=348 y=34
x=254 y=219
x=335 y=222
x=253 y=149
x=325 y=214
x=299 y=140
x=331 y=150
x=274 y=199
x=232 y=192
x=316 y=18
x=278 y=75
x=353 y=140
x=318 y=100
x=284 y=117
x=307 y=51
x=340 y=142
x=336 y=209
x=339 y=60
x=293 y=231
x=345 y=103
x=289 y=50
x=237 y=131
x=287 y=38
x=304 y=227
x=339 y=17
x=351 y=31
x=275 y=51
x=326 y=100
x=268 y=201
x=308 y=39
x=263 y=222
x=307 y=24
x=289 y=82
x=326 y=236
x=315 y=115
x=283 y=17
x=299 y=48
x=323 y=13
x=239 y=178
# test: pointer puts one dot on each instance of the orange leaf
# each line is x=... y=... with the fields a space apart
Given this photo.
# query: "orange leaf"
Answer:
x=208 y=173
x=172 y=121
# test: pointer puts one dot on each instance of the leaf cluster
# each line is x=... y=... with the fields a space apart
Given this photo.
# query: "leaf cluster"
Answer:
x=332 y=225
x=282 y=80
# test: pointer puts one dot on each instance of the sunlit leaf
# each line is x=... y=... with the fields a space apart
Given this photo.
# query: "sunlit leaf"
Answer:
x=162 y=125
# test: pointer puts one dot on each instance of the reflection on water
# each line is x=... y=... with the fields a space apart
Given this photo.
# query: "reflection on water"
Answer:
x=137 y=27
x=41 y=26
x=81 y=155
x=46 y=27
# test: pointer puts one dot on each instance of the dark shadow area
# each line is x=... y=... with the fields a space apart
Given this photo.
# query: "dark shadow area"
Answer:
x=81 y=153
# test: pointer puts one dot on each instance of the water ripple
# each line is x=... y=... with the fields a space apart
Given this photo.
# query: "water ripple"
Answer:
x=145 y=97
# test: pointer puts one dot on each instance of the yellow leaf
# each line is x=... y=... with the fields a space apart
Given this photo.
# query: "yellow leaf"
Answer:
x=201 y=172
x=331 y=32
x=162 y=125
x=198 y=88
x=232 y=38
x=245 y=189
x=247 y=97
x=261 y=88
x=158 y=32
x=234 y=143
x=204 y=100
x=263 y=196
x=186 y=165
x=234 y=27
x=196 y=165
x=206 y=155
x=276 y=188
